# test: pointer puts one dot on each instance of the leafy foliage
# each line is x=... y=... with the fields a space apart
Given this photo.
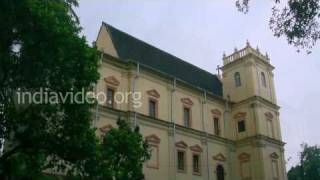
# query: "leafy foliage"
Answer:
x=298 y=21
x=294 y=173
x=120 y=156
x=40 y=47
x=243 y=5
x=309 y=167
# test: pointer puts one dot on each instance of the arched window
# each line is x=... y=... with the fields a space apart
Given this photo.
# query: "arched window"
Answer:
x=220 y=172
x=237 y=79
x=263 y=79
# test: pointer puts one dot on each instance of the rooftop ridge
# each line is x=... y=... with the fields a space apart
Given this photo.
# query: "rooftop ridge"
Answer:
x=131 y=48
x=153 y=46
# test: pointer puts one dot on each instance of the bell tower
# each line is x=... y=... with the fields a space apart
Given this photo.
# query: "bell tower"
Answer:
x=248 y=73
x=248 y=83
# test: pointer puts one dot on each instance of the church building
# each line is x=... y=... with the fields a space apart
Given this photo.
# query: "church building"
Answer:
x=199 y=125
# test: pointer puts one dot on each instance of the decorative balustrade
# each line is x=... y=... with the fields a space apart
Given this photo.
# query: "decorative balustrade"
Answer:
x=244 y=52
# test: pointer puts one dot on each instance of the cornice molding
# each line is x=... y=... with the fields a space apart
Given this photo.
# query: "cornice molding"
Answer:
x=216 y=112
x=244 y=156
x=274 y=155
x=264 y=139
x=181 y=144
x=153 y=139
x=268 y=115
x=196 y=148
x=258 y=143
x=259 y=100
x=105 y=128
x=240 y=115
x=153 y=93
x=187 y=101
x=112 y=80
x=219 y=157
x=166 y=125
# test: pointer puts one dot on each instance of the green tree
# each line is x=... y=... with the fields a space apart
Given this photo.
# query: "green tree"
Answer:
x=294 y=173
x=120 y=156
x=298 y=21
x=309 y=167
x=40 y=47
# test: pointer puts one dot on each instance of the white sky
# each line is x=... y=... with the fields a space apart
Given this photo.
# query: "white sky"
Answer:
x=200 y=31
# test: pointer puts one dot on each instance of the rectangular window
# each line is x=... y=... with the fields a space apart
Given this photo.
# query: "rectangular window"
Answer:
x=241 y=126
x=196 y=163
x=181 y=161
x=216 y=126
x=152 y=108
x=110 y=97
x=186 y=116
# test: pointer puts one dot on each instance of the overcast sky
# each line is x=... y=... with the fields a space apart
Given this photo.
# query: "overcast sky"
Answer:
x=200 y=31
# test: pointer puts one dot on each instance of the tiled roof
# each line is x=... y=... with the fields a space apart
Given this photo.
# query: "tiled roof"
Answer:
x=131 y=48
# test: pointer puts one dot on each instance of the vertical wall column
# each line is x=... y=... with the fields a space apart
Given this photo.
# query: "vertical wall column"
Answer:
x=256 y=119
x=204 y=140
x=258 y=80
x=206 y=159
x=172 y=152
x=258 y=161
x=229 y=133
x=122 y=88
x=228 y=123
x=273 y=88
x=270 y=86
x=278 y=127
x=97 y=117
x=171 y=133
x=133 y=76
x=232 y=163
x=283 y=165
x=131 y=85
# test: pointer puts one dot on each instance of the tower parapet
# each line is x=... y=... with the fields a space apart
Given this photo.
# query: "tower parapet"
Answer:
x=246 y=51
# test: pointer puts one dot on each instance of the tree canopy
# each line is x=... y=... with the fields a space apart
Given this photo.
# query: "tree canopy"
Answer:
x=41 y=47
x=120 y=156
x=309 y=166
x=298 y=21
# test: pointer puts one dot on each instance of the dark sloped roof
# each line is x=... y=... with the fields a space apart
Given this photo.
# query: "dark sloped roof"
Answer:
x=130 y=48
